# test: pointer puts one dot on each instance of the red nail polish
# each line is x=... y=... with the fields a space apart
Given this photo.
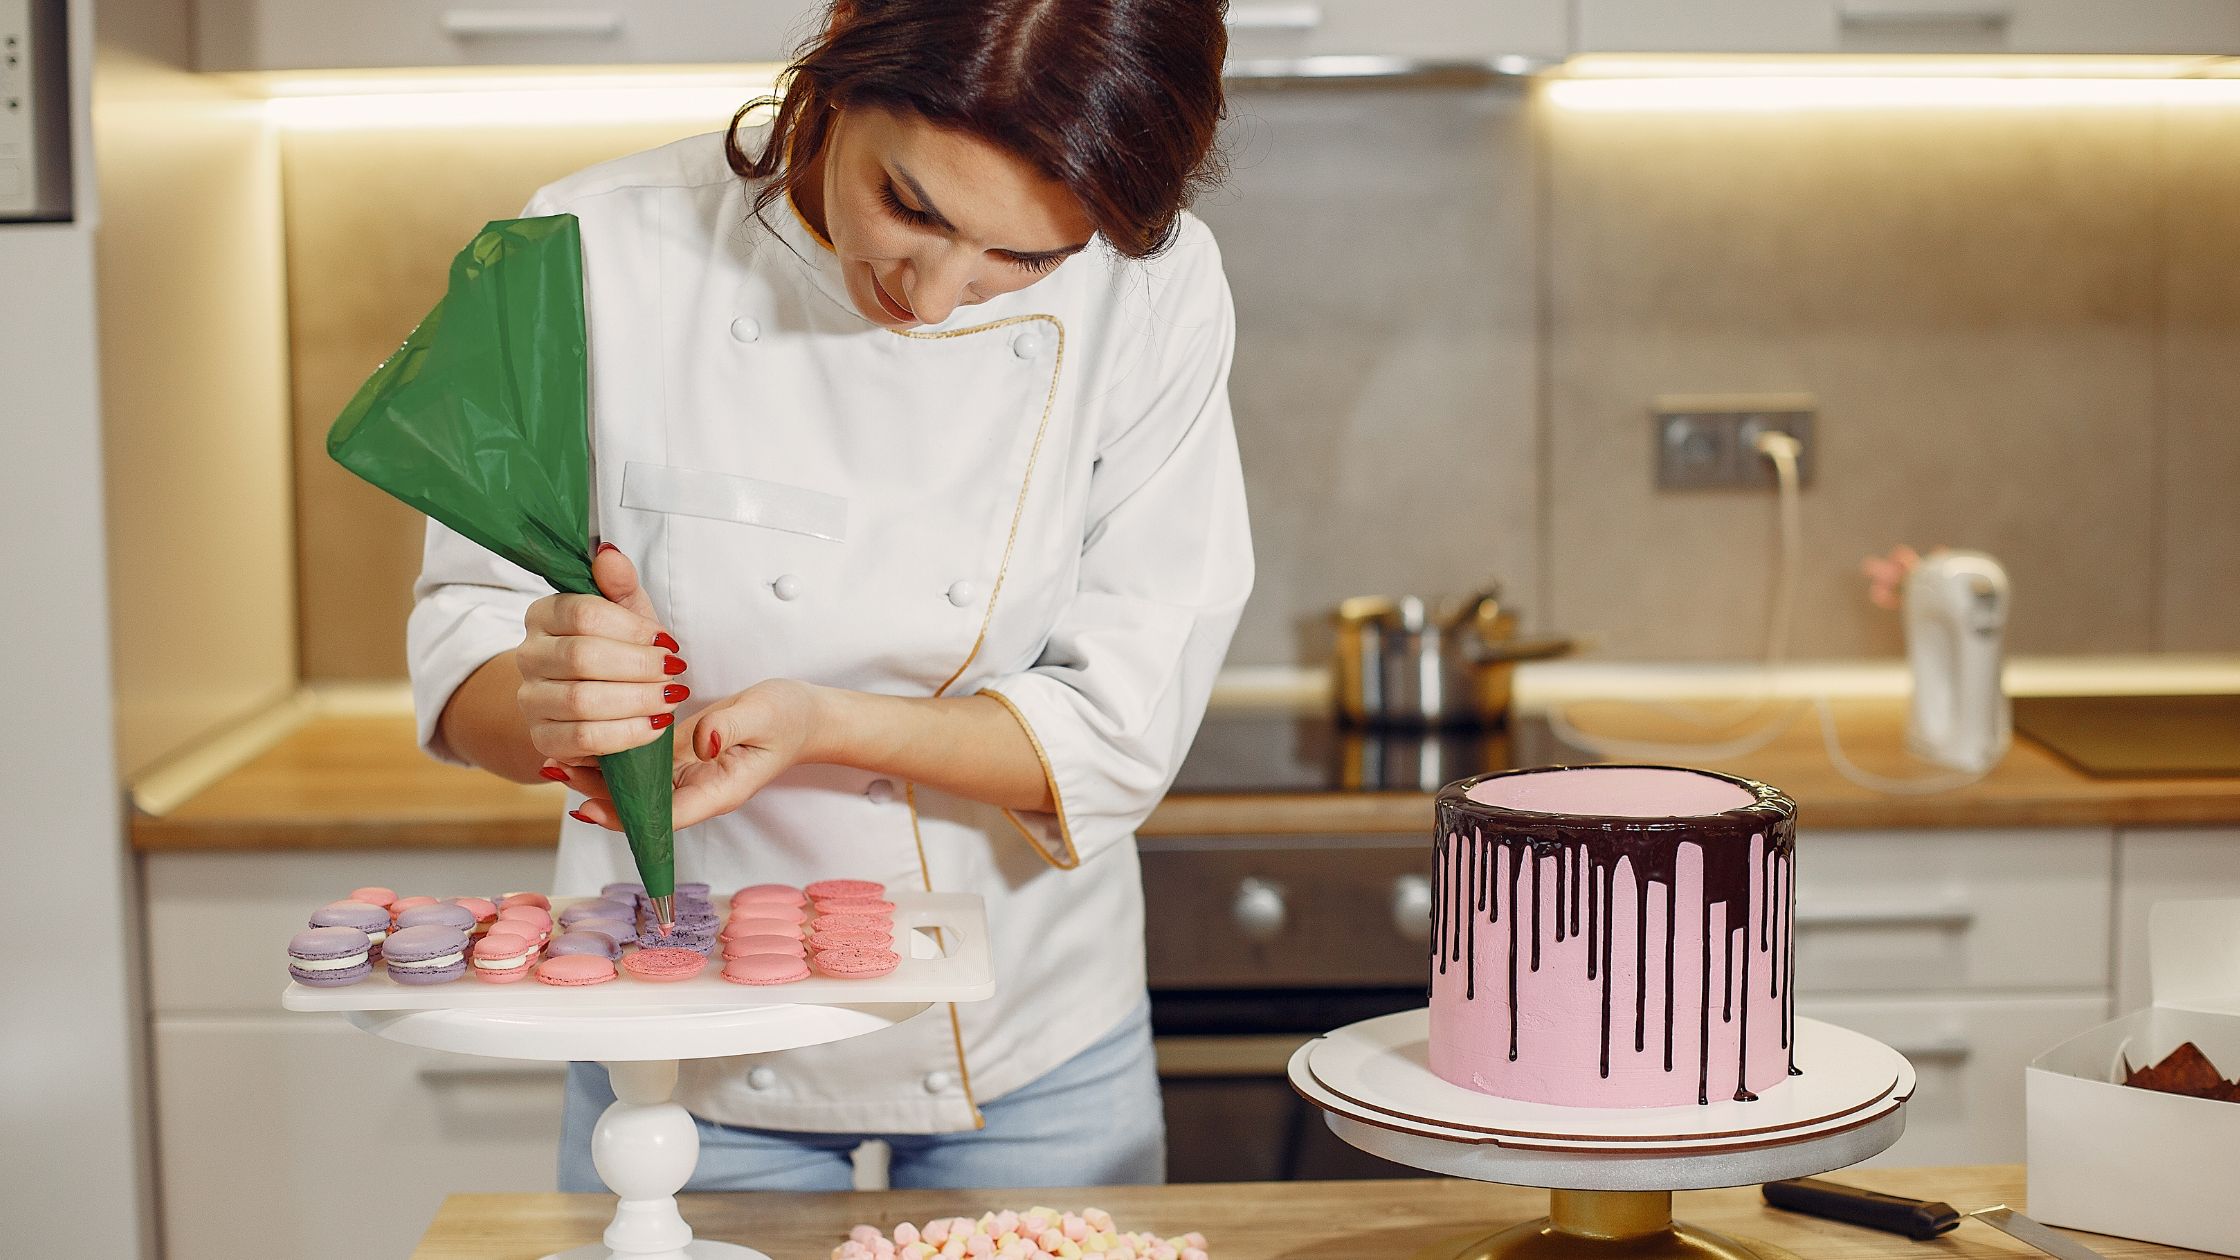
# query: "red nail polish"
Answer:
x=665 y=643
x=661 y=720
x=580 y=816
x=554 y=773
x=606 y=547
x=715 y=746
x=675 y=693
x=672 y=665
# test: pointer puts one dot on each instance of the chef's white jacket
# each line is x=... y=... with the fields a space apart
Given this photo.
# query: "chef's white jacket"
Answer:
x=1037 y=501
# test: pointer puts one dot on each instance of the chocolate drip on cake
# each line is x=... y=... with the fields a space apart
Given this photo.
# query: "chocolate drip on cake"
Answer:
x=1563 y=901
x=1516 y=864
x=1535 y=911
x=1741 y=851
x=1640 y=963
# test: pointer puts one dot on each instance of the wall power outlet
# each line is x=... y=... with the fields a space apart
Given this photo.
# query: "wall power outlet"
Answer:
x=1711 y=443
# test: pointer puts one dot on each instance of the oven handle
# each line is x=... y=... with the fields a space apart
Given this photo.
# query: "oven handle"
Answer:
x=1950 y=915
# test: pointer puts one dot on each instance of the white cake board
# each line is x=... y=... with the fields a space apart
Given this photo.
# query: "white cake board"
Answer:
x=1395 y=1108
x=645 y=1145
x=1381 y=1067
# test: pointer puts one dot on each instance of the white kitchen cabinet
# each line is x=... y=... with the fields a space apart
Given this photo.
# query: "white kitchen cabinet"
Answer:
x=1968 y=1055
x=350 y=34
x=285 y=1136
x=2165 y=865
x=335 y=34
x=1909 y=26
x=1436 y=30
x=1939 y=911
x=219 y=923
x=258 y=1108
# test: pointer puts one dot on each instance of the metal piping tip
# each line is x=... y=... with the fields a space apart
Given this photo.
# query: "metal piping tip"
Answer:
x=665 y=912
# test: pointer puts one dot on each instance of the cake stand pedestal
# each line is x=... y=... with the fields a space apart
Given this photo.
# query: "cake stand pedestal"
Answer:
x=1610 y=1173
x=645 y=1145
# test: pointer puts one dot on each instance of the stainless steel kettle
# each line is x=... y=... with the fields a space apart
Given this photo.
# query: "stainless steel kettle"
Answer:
x=1409 y=661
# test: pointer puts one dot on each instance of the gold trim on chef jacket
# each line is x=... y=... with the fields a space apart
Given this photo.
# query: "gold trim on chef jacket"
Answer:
x=987 y=618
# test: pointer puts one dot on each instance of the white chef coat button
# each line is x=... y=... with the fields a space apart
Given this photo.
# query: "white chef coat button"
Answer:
x=939 y=1082
x=961 y=593
x=745 y=329
x=880 y=791
x=1027 y=344
x=761 y=1078
x=786 y=587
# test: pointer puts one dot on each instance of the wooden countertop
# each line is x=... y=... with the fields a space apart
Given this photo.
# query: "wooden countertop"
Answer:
x=1343 y=1220
x=360 y=781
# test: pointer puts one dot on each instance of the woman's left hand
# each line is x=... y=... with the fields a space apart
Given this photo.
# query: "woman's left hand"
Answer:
x=725 y=753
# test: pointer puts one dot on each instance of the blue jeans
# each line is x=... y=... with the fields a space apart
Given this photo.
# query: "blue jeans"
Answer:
x=1093 y=1120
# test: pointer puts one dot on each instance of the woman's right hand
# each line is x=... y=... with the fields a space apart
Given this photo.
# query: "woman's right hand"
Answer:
x=598 y=675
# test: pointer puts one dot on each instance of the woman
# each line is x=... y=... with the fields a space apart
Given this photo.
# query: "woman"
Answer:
x=921 y=520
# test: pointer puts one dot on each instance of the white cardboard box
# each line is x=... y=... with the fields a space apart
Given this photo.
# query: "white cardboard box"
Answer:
x=2132 y=1162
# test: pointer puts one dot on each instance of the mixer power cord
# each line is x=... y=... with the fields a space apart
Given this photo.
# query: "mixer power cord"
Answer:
x=1783 y=451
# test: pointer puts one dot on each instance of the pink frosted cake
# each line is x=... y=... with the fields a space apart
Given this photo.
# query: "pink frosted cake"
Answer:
x=1613 y=936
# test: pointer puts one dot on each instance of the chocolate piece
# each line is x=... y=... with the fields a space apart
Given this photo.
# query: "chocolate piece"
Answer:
x=2185 y=1070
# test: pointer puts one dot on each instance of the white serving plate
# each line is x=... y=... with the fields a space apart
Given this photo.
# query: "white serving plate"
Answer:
x=943 y=939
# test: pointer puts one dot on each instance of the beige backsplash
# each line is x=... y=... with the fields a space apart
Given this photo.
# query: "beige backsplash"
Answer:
x=2022 y=327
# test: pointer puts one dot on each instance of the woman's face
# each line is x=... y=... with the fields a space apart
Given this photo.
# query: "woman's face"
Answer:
x=926 y=220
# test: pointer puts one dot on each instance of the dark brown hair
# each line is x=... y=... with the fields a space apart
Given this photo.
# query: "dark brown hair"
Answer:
x=1116 y=100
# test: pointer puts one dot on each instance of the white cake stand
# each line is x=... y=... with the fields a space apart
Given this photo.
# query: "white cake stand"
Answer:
x=1610 y=1173
x=645 y=1145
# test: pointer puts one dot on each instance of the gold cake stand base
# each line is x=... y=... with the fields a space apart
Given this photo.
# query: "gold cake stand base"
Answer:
x=1605 y=1225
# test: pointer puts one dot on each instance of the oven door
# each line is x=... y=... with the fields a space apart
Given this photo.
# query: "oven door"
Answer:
x=1256 y=945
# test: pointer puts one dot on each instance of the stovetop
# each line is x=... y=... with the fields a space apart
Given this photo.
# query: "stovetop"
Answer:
x=1267 y=750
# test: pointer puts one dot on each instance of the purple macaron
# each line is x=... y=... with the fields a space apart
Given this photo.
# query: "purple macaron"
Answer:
x=622 y=892
x=370 y=919
x=426 y=953
x=596 y=944
x=616 y=930
x=597 y=908
x=441 y=914
x=329 y=957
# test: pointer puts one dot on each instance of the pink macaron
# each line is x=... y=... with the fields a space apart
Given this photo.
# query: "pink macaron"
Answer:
x=857 y=964
x=535 y=918
x=402 y=904
x=537 y=899
x=571 y=971
x=765 y=969
x=752 y=922
x=664 y=965
x=771 y=910
x=504 y=957
x=740 y=947
x=827 y=889
x=852 y=938
x=855 y=905
x=836 y=922
x=374 y=895
x=769 y=894
x=755 y=925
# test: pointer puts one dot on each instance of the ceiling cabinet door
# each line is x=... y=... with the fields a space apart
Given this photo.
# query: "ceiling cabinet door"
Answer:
x=1432 y=30
x=351 y=34
x=1909 y=26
